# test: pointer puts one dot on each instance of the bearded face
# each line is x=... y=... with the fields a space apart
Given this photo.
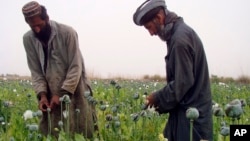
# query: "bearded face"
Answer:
x=154 y=27
x=44 y=33
x=161 y=31
x=40 y=27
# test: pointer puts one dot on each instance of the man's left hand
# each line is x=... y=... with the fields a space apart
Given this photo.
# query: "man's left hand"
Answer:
x=54 y=101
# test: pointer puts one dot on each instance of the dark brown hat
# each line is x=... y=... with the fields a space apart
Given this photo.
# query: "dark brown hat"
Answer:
x=31 y=9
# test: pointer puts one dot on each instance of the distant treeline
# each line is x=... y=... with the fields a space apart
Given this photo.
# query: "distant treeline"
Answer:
x=243 y=79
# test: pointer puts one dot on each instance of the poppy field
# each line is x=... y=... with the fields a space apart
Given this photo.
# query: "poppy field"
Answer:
x=120 y=109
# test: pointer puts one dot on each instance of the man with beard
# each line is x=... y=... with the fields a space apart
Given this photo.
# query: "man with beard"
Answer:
x=57 y=70
x=187 y=73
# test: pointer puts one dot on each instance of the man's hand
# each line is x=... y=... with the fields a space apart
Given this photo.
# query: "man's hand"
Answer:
x=150 y=100
x=43 y=103
x=54 y=101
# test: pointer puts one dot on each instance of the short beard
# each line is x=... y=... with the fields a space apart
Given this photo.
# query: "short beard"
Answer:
x=160 y=31
x=44 y=34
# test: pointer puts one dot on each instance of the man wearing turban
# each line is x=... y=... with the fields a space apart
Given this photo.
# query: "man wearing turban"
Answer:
x=187 y=73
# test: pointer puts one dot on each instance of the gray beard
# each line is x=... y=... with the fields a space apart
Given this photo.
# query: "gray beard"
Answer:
x=164 y=31
x=161 y=32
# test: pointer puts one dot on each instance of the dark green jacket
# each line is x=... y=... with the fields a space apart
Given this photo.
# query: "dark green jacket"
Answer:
x=187 y=86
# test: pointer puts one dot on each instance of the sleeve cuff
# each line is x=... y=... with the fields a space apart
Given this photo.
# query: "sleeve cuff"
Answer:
x=64 y=92
x=41 y=93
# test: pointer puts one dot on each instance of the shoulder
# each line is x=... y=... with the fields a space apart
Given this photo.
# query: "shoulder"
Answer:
x=61 y=28
x=28 y=34
x=29 y=39
x=181 y=29
x=182 y=33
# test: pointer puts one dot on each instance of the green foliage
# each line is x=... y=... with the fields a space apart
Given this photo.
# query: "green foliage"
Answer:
x=119 y=107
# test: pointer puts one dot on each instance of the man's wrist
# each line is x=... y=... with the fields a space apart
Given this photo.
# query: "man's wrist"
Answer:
x=41 y=95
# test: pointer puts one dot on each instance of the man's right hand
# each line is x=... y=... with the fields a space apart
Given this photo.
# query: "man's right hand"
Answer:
x=43 y=103
x=150 y=100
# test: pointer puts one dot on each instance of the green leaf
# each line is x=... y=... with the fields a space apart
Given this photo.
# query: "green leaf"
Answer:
x=79 y=137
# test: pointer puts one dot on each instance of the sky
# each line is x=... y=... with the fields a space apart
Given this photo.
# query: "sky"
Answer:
x=112 y=45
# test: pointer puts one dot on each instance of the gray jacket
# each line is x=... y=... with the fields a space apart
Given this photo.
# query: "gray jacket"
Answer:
x=65 y=72
x=65 y=64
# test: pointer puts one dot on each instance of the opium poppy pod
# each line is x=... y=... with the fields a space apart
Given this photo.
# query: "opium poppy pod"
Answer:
x=192 y=113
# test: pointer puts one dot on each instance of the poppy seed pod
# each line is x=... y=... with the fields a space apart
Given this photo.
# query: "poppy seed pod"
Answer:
x=103 y=107
x=223 y=123
x=33 y=127
x=48 y=110
x=116 y=118
x=39 y=113
x=66 y=99
x=60 y=123
x=109 y=117
x=112 y=82
x=1 y=119
x=136 y=96
x=144 y=106
x=224 y=131
x=12 y=139
x=235 y=102
x=77 y=110
x=192 y=113
x=117 y=124
x=135 y=117
x=114 y=109
x=233 y=109
x=218 y=112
